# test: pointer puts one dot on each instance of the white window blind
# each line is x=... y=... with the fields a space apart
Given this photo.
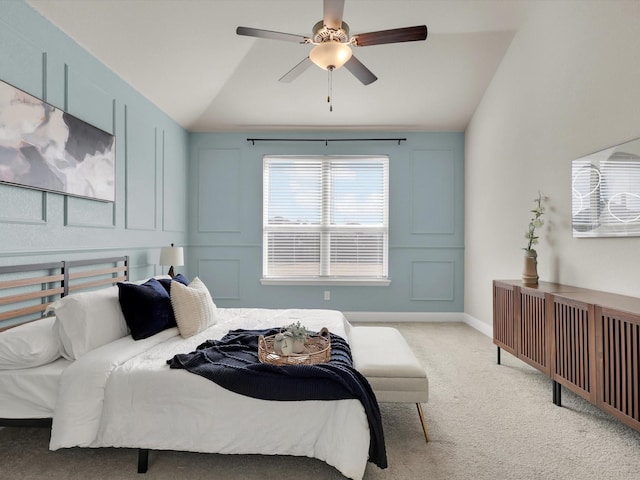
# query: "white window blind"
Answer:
x=325 y=218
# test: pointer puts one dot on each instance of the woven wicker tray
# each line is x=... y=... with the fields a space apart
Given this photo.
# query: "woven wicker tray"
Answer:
x=317 y=349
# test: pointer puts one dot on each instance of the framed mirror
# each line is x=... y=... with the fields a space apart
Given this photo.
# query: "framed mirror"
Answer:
x=605 y=191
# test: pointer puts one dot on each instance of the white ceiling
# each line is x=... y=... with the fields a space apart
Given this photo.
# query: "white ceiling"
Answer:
x=185 y=57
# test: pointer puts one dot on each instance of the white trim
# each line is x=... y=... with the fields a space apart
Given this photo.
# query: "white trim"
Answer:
x=283 y=230
x=326 y=281
x=479 y=325
x=390 y=317
x=404 y=317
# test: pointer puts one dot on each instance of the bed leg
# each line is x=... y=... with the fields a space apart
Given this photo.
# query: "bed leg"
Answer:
x=143 y=460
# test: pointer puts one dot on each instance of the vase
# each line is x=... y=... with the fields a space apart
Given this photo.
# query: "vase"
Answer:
x=298 y=346
x=530 y=272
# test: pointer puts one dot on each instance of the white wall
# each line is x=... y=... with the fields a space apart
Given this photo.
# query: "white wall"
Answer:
x=569 y=85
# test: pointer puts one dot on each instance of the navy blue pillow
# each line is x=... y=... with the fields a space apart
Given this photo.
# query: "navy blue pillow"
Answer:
x=146 y=308
x=166 y=282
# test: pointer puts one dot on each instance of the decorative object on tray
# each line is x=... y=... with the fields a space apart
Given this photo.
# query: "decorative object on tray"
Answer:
x=530 y=273
x=300 y=336
x=279 y=349
x=291 y=339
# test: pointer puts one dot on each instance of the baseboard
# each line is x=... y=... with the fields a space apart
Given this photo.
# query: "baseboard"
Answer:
x=387 y=317
x=482 y=327
x=390 y=317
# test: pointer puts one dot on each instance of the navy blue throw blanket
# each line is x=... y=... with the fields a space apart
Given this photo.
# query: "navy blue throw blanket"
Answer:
x=232 y=362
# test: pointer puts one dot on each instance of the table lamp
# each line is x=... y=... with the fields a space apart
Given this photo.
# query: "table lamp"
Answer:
x=172 y=256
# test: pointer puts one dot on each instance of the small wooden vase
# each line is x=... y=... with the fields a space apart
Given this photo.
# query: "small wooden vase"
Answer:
x=530 y=272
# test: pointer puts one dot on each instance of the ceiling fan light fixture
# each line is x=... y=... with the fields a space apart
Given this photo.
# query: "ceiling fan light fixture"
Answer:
x=330 y=55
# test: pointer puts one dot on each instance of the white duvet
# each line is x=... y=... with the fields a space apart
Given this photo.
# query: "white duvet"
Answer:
x=123 y=394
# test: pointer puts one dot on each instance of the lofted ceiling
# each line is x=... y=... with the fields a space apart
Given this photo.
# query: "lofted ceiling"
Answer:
x=185 y=57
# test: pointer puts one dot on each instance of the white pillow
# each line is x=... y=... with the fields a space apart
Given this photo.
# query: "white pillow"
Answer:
x=193 y=307
x=29 y=345
x=88 y=320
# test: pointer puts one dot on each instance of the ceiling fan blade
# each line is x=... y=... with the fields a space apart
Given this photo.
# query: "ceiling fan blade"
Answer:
x=256 y=32
x=333 y=11
x=396 y=35
x=359 y=71
x=295 y=72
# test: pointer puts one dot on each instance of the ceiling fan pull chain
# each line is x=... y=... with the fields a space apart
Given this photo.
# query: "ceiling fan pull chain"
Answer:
x=330 y=89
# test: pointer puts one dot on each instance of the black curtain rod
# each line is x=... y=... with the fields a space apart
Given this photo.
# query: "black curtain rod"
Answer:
x=325 y=140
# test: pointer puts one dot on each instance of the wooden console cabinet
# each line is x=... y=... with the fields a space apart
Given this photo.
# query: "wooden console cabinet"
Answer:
x=585 y=340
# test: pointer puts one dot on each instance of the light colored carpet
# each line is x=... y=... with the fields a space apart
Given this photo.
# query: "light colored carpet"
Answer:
x=486 y=421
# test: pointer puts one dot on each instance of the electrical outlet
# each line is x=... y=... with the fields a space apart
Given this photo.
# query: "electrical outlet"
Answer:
x=327 y=295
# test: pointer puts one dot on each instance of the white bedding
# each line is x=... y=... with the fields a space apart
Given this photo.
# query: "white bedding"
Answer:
x=123 y=394
x=31 y=392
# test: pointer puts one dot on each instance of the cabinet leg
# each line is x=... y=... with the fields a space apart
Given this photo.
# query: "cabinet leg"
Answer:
x=557 y=394
x=498 y=355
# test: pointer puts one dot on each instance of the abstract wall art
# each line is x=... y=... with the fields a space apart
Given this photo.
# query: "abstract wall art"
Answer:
x=45 y=148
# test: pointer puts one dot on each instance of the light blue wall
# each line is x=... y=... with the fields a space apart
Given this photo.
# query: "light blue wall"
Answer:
x=425 y=218
x=204 y=191
x=151 y=157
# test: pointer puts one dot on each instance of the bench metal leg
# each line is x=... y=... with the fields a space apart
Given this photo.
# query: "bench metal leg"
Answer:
x=424 y=424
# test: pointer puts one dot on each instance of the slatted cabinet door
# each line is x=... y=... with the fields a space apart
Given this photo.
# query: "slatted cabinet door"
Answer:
x=592 y=341
x=572 y=335
x=533 y=343
x=504 y=329
x=618 y=353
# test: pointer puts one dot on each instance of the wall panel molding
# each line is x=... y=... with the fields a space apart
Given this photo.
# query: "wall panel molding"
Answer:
x=87 y=100
x=433 y=191
x=222 y=277
x=22 y=205
x=432 y=280
x=143 y=270
x=78 y=92
x=18 y=50
x=219 y=191
x=84 y=212
x=426 y=247
x=45 y=73
x=173 y=185
x=83 y=252
x=141 y=173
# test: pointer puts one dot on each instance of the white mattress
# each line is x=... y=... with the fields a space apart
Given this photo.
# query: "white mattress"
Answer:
x=31 y=392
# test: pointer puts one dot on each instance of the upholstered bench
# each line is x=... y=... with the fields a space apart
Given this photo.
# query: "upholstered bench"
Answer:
x=384 y=357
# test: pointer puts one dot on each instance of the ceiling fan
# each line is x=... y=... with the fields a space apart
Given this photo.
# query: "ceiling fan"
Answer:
x=333 y=44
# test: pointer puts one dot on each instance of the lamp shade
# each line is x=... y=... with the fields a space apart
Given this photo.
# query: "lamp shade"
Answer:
x=173 y=256
x=330 y=55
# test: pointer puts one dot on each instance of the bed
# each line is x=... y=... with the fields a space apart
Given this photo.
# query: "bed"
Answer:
x=120 y=392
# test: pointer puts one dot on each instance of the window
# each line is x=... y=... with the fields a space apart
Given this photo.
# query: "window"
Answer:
x=325 y=219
